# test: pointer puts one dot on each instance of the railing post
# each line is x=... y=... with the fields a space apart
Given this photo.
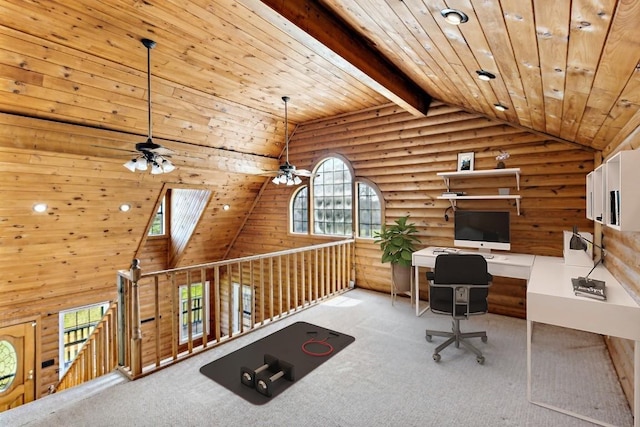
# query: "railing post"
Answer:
x=121 y=320
x=136 y=326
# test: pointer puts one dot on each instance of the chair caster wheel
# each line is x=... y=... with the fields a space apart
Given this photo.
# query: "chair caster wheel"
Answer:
x=484 y=339
x=436 y=357
x=428 y=338
x=480 y=360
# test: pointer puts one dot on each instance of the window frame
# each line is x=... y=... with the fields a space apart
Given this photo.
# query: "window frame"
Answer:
x=164 y=205
x=355 y=203
x=247 y=315
x=292 y=207
x=376 y=190
x=311 y=210
x=183 y=335
x=62 y=363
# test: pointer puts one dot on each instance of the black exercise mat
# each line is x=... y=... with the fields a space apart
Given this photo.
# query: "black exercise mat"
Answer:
x=285 y=344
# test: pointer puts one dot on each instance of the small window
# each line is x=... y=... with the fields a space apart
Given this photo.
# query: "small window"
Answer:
x=369 y=210
x=199 y=297
x=75 y=327
x=158 y=225
x=247 y=307
x=300 y=211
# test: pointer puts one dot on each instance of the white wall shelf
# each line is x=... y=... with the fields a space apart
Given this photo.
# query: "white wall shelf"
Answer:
x=448 y=176
x=620 y=191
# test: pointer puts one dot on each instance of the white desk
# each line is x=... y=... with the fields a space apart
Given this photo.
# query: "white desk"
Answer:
x=550 y=300
x=505 y=264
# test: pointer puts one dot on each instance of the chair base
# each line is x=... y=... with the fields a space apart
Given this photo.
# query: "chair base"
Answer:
x=457 y=337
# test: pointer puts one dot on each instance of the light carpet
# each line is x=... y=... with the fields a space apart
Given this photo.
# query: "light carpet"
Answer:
x=385 y=378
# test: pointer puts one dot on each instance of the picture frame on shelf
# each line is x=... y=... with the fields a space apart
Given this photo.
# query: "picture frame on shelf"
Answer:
x=465 y=161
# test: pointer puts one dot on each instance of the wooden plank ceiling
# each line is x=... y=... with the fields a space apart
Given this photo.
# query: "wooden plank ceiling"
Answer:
x=220 y=68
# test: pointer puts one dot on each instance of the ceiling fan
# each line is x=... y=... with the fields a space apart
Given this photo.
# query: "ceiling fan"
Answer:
x=287 y=173
x=150 y=153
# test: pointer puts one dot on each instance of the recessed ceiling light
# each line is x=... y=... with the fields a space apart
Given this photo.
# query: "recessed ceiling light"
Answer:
x=485 y=75
x=454 y=16
x=500 y=107
x=226 y=207
x=125 y=207
x=40 y=207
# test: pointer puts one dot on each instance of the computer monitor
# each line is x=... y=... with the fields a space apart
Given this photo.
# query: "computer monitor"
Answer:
x=484 y=230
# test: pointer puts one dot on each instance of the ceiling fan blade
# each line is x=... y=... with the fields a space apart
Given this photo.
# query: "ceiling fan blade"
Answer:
x=302 y=172
x=162 y=151
x=114 y=148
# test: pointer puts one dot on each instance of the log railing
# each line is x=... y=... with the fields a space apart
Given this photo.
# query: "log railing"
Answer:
x=97 y=356
x=170 y=315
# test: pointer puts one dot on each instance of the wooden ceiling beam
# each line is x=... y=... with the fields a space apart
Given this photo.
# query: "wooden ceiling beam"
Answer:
x=327 y=35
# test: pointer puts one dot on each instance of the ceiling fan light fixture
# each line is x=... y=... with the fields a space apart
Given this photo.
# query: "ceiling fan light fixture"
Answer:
x=146 y=149
x=167 y=166
x=142 y=164
x=132 y=165
x=485 y=75
x=287 y=173
x=454 y=16
x=156 y=169
x=500 y=107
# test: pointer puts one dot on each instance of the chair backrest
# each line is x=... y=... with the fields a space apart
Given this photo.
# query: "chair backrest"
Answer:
x=459 y=269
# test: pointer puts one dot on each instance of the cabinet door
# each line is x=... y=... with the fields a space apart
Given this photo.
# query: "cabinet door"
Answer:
x=598 y=194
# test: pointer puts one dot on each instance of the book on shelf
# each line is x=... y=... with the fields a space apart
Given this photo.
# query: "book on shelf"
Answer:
x=453 y=193
x=590 y=288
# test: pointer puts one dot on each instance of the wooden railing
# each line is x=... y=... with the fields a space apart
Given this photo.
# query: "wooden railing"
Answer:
x=97 y=356
x=164 y=318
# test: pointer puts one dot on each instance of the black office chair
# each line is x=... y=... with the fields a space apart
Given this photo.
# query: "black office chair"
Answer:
x=458 y=287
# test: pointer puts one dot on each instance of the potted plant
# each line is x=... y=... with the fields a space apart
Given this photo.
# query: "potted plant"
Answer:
x=397 y=242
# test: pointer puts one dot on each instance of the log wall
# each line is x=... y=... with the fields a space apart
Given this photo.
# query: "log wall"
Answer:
x=623 y=260
x=401 y=154
x=68 y=257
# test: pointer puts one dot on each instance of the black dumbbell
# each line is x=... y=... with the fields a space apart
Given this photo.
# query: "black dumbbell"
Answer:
x=248 y=375
x=265 y=381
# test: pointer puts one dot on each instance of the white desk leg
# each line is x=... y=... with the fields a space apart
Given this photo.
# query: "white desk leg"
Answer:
x=636 y=384
x=417 y=292
x=416 y=288
x=529 y=334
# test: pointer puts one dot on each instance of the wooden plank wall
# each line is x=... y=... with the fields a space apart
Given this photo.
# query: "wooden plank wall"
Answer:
x=401 y=154
x=623 y=260
x=68 y=257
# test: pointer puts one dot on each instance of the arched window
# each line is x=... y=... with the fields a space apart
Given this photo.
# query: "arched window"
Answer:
x=300 y=211
x=369 y=209
x=333 y=198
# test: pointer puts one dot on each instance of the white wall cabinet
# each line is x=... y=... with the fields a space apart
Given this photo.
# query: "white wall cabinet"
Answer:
x=621 y=198
x=448 y=176
x=595 y=194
